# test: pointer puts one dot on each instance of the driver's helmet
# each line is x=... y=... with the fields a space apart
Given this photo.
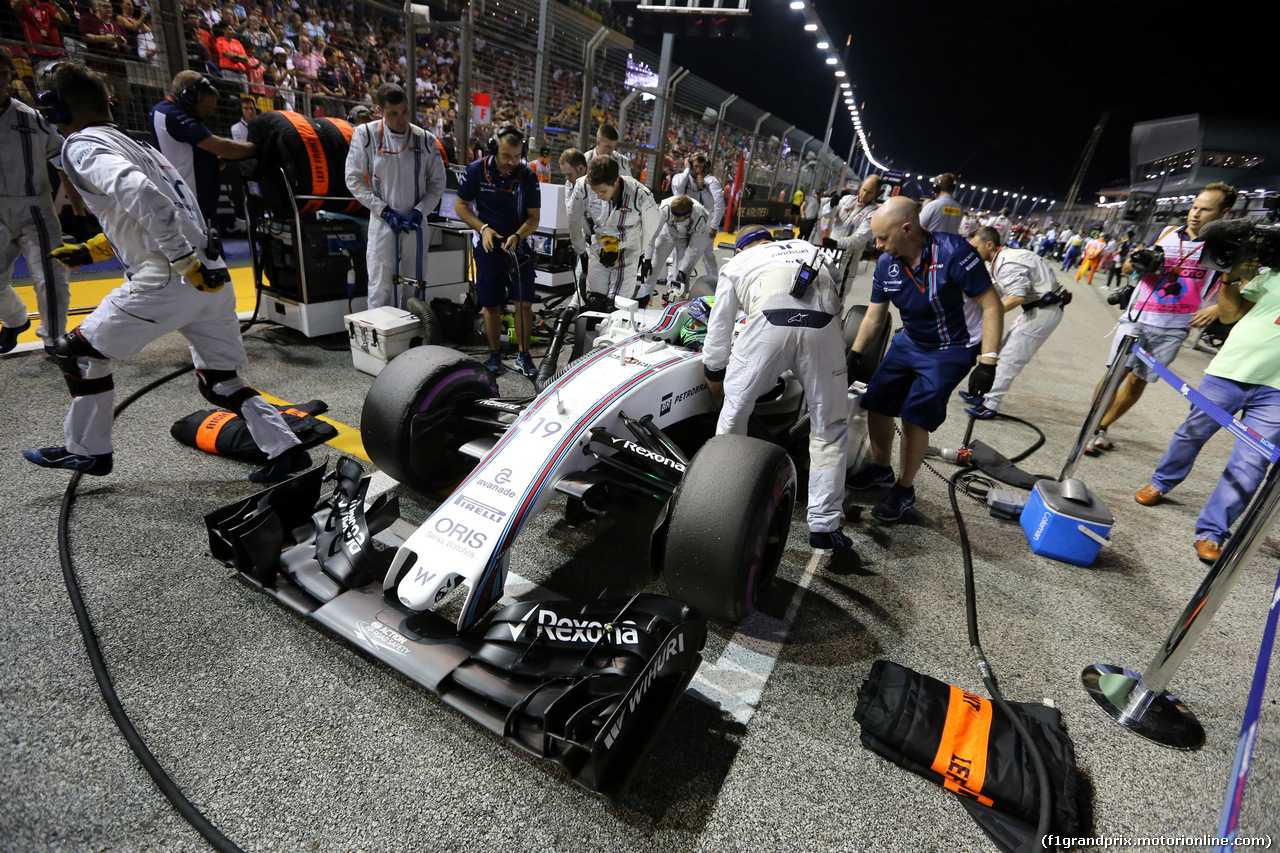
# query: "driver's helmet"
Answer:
x=700 y=308
x=694 y=331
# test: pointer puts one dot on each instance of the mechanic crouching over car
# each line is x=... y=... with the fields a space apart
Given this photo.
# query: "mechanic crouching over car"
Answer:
x=788 y=291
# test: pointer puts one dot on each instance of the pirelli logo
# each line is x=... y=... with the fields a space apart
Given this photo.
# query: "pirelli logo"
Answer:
x=480 y=509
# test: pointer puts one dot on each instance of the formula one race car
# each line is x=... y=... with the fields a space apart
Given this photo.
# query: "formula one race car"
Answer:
x=612 y=422
x=587 y=684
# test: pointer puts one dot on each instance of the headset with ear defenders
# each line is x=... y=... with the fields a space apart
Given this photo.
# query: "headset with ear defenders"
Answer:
x=510 y=133
x=188 y=97
x=48 y=101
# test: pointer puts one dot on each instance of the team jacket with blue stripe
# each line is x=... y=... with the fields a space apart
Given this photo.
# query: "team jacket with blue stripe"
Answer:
x=633 y=219
x=27 y=142
x=935 y=300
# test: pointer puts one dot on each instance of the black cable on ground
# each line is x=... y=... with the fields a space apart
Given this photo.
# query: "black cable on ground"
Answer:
x=971 y=619
x=167 y=786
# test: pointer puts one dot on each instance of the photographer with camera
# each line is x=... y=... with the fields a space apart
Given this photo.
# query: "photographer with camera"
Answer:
x=1169 y=299
x=1243 y=378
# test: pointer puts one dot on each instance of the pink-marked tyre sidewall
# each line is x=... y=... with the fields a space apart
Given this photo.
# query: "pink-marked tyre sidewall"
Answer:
x=406 y=425
x=728 y=528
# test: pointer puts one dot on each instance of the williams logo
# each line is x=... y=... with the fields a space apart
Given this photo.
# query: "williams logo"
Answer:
x=665 y=407
x=480 y=509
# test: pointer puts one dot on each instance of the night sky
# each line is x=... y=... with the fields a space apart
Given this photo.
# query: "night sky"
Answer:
x=1003 y=94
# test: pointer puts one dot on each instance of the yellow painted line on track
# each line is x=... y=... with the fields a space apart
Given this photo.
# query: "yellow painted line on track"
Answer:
x=86 y=293
x=348 y=440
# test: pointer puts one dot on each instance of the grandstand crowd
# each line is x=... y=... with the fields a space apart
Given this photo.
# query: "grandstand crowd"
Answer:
x=328 y=57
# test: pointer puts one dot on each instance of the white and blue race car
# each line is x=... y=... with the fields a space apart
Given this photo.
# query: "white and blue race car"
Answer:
x=615 y=421
x=587 y=684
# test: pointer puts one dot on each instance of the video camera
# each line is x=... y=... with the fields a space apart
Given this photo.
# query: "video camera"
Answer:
x=1229 y=242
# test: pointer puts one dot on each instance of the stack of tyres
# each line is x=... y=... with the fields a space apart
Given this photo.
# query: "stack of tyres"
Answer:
x=300 y=155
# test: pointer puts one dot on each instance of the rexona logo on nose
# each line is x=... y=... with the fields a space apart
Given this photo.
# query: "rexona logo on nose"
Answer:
x=566 y=629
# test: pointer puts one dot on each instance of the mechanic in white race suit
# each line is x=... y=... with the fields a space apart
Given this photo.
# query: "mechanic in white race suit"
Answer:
x=395 y=169
x=28 y=224
x=699 y=183
x=615 y=217
x=851 y=229
x=1025 y=281
x=785 y=332
x=682 y=228
x=151 y=222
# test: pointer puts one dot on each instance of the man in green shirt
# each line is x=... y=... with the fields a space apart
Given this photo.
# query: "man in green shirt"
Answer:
x=1244 y=377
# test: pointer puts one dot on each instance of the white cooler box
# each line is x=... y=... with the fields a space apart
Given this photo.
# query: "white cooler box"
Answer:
x=379 y=335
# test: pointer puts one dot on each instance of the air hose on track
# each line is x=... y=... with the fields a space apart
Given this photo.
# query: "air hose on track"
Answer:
x=971 y=620
x=164 y=782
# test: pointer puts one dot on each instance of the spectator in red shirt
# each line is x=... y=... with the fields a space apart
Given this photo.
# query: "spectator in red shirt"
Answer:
x=40 y=21
x=104 y=37
x=232 y=60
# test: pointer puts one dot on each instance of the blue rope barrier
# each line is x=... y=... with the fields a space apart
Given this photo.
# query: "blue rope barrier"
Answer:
x=1210 y=408
x=1233 y=800
x=1228 y=821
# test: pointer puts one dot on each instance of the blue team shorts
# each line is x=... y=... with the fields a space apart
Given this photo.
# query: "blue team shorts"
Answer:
x=915 y=384
x=494 y=285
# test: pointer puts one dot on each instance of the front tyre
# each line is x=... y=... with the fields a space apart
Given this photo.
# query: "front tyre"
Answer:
x=411 y=424
x=728 y=528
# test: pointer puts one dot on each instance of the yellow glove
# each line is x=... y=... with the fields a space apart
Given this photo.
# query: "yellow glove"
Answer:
x=75 y=255
x=201 y=277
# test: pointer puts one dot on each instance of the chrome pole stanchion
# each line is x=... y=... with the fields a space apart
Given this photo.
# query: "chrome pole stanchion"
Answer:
x=1100 y=401
x=1139 y=702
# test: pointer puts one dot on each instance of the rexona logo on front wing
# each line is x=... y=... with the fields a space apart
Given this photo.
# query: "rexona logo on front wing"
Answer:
x=565 y=629
x=639 y=450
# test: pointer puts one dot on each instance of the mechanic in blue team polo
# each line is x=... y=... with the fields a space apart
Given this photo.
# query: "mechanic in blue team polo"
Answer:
x=948 y=307
x=178 y=130
x=507 y=199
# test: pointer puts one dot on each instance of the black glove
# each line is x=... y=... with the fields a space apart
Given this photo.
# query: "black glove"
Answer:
x=852 y=360
x=646 y=268
x=981 y=378
x=828 y=243
x=682 y=279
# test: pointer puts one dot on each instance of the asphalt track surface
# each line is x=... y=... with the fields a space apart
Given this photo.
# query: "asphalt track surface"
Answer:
x=289 y=740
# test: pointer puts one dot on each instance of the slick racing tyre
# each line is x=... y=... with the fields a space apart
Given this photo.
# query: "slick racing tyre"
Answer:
x=874 y=353
x=728 y=527
x=411 y=423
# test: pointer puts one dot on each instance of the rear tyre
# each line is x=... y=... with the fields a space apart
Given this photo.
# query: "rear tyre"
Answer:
x=729 y=521
x=410 y=424
x=874 y=353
